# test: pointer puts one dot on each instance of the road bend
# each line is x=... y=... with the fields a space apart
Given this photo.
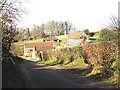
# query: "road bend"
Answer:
x=45 y=76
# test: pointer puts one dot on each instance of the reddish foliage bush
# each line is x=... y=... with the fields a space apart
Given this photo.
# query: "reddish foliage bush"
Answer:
x=96 y=53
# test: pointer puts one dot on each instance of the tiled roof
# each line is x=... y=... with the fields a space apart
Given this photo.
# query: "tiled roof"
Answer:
x=39 y=44
x=73 y=42
x=89 y=41
x=44 y=48
x=51 y=38
x=63 y=41
x=74 y=34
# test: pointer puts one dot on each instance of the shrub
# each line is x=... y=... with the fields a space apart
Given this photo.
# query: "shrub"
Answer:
x=17 y=50
x=87 y=32
x=58 y=43
x=104 y=57
x=45 y=56
x=15 y=40
x=96 y=53
x=66 y=55
x=107 y=35
x=30 y=38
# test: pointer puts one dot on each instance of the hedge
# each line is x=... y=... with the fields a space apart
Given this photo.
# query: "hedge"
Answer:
x=65 y=55
x=96 y=53
x=17 y=50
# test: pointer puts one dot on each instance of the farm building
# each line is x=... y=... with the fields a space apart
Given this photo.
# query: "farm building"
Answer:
x=74 y=39
x=73 y=35
x=73 y=42
x=51 y=39
x=30 y=49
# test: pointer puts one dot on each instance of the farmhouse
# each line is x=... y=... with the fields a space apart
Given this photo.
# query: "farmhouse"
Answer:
x=75 y=39
x=73 y=42
x=30 y=49
x=73 y=35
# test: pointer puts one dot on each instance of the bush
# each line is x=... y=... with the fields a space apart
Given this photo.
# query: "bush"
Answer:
x=65 y=55
x=87 y=32
x=92 y=34
x=17 y=50
x=96 y=53
x=108 y=35
x=31 y=38
x=45 y=56
x=104 y=57
x=15 y=40
x=58 y=43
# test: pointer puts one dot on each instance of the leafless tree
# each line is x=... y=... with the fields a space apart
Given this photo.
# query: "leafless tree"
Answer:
x=114 y=22
x=10 y=10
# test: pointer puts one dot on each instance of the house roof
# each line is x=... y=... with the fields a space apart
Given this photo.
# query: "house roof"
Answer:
x=73 y=42
x=39 y=44
x=89 y=41
x=63 y=41
x=51 y=38
x=44 y=48
x=74 y=34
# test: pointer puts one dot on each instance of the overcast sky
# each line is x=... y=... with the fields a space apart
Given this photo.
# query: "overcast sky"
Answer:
x=84 y=14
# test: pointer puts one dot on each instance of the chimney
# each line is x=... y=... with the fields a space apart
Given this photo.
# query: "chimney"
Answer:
x=87 y=37
x=83 y=37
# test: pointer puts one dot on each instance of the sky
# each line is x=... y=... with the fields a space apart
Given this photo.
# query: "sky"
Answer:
x=84 y=14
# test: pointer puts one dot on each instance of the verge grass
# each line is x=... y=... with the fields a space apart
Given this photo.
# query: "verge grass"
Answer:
x=58 y=62
x=77 y=62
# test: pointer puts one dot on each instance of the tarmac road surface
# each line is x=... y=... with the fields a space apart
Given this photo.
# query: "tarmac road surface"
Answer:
x=45 y=76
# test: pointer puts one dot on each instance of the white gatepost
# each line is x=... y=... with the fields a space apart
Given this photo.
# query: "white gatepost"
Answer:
x=33 y=53
x=24 y=50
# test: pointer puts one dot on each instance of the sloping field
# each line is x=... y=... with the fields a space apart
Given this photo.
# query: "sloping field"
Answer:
x=61 y=37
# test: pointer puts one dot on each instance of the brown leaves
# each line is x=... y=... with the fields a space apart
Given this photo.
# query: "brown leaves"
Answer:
x=97 y=52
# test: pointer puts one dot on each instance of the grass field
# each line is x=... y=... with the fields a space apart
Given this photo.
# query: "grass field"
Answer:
x=96 y=36
x=61 y=37
x=95 y=31
x=29 y=41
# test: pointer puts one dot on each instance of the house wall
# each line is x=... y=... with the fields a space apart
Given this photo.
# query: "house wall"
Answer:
x=51 y=40
x=28 y=51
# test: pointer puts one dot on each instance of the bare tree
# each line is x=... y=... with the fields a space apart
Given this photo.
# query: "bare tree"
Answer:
x=10 y=10
x=114 y=23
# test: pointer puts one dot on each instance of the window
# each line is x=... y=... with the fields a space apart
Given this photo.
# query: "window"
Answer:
x=31 y=50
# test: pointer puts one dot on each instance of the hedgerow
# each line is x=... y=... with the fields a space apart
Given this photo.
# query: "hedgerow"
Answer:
x=17 y=50
x=104 y=57
x=64 y=55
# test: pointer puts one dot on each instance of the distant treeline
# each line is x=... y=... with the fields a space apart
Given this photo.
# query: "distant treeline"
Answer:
x=51 y=28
